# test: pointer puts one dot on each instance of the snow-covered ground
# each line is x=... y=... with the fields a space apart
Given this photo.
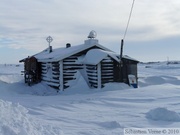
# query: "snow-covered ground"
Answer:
x=40 y=110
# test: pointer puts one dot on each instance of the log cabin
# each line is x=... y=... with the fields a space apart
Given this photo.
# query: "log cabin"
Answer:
x=97 y=64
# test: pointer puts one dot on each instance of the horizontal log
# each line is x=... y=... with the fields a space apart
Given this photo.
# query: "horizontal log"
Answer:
x=68 y=74
x=90 y=65
x=44 y=68
x=69 y=71
x=106 y=81
x=91 y=68
x=107 y=67
x=55 y=69
x=95 y=79
x=94 y=83
x=56 y=73
x=69 y=77
x=53 y=75
x=92 y=75
x=92 y=71
x=55 y=65
x=107 y=71
x=107 y=77
x=72 y=67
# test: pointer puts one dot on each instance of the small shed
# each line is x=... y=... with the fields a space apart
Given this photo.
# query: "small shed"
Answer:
x=97 y=64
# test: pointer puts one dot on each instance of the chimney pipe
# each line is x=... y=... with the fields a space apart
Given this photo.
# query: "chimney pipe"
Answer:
x=121 y=62
x=68 y=45
x=50 y=49
x=121 y=53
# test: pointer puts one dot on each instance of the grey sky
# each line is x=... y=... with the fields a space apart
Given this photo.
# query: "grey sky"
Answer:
x=153 y=34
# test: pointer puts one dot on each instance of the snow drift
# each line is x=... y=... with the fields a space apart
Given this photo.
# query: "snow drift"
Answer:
x=163 y=114
x=40 y=110
x=14 y=120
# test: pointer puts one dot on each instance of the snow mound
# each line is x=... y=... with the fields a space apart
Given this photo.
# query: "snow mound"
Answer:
x=110 y=124
x=11 y=78
x=14 y=120
x=163 y=114
x=11 y=73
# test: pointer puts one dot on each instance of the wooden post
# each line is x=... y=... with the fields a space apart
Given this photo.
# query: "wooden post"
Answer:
x=99 y=74
x=121 y=53
x=121 y=62
x=61 y=75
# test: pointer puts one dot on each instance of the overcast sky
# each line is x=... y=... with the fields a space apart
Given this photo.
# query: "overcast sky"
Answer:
x=153 y=34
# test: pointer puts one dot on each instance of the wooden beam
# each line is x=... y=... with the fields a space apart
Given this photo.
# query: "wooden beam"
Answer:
x=99 y=75
x=61 y=81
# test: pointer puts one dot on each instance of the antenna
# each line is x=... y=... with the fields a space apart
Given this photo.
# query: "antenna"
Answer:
x=122 y=43
x=129 y=19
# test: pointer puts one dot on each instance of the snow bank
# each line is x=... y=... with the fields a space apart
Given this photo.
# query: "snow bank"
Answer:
x=158 y=80
x=11 y=78
x=110 y=125
x=10 y=73
x=163 y=114
x=14 y=120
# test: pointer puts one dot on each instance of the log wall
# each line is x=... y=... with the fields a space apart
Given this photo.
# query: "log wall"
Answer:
x=107 y=73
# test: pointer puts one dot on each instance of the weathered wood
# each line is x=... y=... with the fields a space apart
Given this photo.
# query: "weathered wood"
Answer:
x=68 y=67
x=61 y=81
x=90 y=75
x=91 y=68
x=94 y=83
x=95 y=79
x=99 y=75
x=92 y=71
x=107 y=67
x=107 y=73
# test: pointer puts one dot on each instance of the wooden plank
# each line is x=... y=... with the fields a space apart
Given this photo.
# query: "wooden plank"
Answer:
x=55 y=69
x=91 y=68
x=61 y=80
x=92 y=75
x=56 y=73
x=57 y=76
x=72 y=68
x=108 y=77
x=99 y=75
x=69 y=77
x=95 y=79
x=91 y=71
x=43 y=68
x=106 y=71
x=94 y=83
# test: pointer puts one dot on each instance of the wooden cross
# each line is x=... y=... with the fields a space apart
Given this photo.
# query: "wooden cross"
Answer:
x=49 y=39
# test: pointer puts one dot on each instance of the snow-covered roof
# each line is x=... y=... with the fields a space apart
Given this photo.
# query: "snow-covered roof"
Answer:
x=61 y=53
x=94 y=56
x=129 y=58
